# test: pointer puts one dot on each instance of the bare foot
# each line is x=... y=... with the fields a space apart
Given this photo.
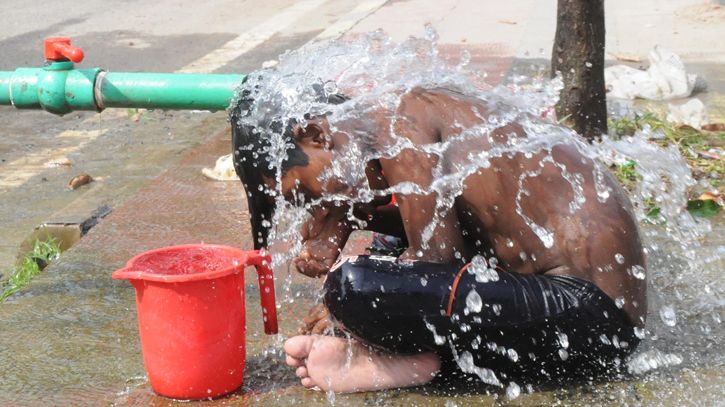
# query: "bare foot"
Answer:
x=343 y=365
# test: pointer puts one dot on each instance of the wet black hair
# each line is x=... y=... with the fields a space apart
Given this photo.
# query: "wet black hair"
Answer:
x=252 y=161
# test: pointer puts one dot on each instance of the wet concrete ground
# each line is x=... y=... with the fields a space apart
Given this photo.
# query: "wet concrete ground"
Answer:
x=71 y=337
x=120 y=154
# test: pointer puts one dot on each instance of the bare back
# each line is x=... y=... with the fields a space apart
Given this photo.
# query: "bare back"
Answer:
x=520 y=210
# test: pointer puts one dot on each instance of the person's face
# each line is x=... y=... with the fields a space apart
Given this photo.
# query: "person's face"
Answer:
x=302 y=184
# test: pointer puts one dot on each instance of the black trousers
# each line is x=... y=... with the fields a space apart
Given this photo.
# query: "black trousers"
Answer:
x=498 y=325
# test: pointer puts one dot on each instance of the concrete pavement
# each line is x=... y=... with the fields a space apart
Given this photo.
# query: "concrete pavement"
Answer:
x=70 y=338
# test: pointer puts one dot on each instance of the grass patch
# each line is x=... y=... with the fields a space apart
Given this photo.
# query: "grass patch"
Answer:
x=32 y=264
x=703 y=150
x=694 y=145
x=627 y=174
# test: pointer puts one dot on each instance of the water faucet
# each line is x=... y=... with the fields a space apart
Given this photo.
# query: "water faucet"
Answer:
x=59 y=88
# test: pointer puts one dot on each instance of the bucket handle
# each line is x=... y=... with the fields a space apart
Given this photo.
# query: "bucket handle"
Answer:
x=266 y=289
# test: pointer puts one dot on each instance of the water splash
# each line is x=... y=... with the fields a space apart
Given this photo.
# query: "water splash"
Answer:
x=375 y=72
x=474 y=304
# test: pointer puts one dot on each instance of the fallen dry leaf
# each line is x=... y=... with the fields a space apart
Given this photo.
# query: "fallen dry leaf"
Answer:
x=708 y=154
x=717 y=127
x=79 y=180
x=707 y=196
x=507 y=22
x=58 y=162
x=702 y=130
x=136 y=117
x=620 y=57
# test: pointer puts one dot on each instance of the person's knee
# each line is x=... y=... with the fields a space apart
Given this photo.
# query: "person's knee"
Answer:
x=342 y=288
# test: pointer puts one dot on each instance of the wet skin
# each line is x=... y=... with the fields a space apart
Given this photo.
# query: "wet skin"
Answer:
x=588 y=243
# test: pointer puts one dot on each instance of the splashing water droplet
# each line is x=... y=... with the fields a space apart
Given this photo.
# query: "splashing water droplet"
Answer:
x=477 y=263
x=465 y=362
x=513 y=391
x=619 y=258
x=638 y=272
x=473 y=302
x=667 y=314
x=330 y=395
x=640 y=333
x=493 y=262
x=563 y=340
x=480 y=269
x=465 y=58
x=509 y=243
x=423 y=281
x=619 y=302
x=330 y=87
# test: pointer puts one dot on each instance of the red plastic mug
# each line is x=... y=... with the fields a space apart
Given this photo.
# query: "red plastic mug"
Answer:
x=191 y=314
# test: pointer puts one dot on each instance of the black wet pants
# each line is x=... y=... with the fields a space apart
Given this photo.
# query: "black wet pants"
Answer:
x=496 y=323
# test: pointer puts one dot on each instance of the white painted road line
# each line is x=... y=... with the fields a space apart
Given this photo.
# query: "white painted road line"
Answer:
x=348 y=21
x=250 y=39
x=17 y=172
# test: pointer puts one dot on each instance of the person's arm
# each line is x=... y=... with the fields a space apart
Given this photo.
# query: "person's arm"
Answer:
x=418 y=210
x=383 y=219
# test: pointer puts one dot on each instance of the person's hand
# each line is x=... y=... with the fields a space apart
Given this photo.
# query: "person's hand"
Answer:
x=323 y=237
x=316 y=258
x=316 y=321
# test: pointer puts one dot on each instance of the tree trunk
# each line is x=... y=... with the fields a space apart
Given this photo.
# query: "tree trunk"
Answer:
x=579 y=55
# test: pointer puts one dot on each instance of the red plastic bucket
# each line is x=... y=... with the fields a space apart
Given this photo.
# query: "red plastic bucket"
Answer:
x=190 y=303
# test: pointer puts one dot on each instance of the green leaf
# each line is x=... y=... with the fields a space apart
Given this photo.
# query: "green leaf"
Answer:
x=703 y=208
x=654 y=212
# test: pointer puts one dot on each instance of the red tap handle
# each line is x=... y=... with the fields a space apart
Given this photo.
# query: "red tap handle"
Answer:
x=59 y=48
x=266 y=289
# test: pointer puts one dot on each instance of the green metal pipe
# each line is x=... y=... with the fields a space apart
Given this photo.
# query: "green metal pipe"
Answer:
x=174 y=91
x=5 y=78
x=60 y=89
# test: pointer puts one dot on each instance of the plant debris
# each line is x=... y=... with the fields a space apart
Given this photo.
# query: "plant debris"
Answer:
x=703 y=208
x=620 y=57
x=32 y=264
x=79 y=180
x=58 y=162
x=703 y=149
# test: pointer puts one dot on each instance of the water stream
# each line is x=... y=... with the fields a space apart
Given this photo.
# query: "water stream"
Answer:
x=685 y=285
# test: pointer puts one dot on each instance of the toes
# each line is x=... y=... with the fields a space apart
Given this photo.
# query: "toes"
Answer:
x=302 y=372
x=308 y=382
x=299 y=346
x=294 y=362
